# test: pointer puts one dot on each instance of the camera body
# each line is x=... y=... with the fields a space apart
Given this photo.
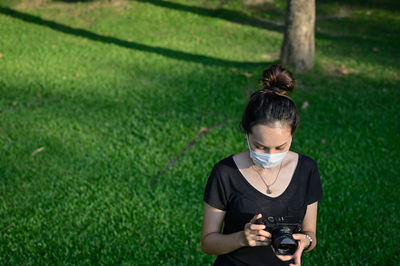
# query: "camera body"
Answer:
x=281 y=229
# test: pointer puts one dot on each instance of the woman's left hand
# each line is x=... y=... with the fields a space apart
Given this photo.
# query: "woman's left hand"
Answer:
x=302 y=243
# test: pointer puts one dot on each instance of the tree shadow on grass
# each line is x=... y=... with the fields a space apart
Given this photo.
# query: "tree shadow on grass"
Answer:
x=228 y=15
x=184 y=56
x=354 y=42
x=389 y=5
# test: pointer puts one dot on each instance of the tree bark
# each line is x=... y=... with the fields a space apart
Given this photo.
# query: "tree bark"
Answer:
x=298 y=43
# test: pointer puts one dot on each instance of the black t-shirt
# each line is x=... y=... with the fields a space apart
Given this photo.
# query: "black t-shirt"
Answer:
x=228 y=190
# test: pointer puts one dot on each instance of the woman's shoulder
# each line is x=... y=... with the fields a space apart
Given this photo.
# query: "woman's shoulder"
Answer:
x=224 y=170
x=229 y=166
x=226 y=162
x=307 y=161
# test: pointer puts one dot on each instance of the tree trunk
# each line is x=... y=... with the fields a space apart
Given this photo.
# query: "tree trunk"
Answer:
x=298 y=43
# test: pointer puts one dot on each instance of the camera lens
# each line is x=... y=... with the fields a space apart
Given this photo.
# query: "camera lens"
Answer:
x=283 y=242
x=286 y=249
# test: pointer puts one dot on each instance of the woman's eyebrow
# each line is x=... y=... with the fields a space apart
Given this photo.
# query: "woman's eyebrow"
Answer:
x=280 y=146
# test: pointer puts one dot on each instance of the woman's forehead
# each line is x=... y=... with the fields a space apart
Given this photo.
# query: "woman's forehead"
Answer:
x=271 y=135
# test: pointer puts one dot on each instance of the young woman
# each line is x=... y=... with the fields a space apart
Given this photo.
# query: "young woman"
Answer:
x=267 y=180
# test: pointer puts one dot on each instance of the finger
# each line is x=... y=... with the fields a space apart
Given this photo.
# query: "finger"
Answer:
x=297 y=258
x=254 y=243
x=257 y=226
x=258 y=233
x=284 y=257
x=303 y=241
x=298 y=236
x=254 y=235
x=249 y=234
x=247 y=226
x=262 y=243
x=262 y=238
x=253 y=232
x=255 y=218
x=264 y=233
x=296 y=263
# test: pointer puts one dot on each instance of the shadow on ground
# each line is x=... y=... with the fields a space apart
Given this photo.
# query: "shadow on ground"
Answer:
x=205 y=60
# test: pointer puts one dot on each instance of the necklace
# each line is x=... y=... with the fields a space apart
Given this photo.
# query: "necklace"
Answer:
x=270 y=185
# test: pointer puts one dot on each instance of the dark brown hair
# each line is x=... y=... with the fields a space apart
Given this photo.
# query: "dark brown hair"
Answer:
x=270 y=104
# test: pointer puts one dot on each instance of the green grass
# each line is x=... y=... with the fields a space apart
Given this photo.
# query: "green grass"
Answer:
x=115 y=90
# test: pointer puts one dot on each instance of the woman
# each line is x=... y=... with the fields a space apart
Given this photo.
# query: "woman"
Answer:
x=267 y=180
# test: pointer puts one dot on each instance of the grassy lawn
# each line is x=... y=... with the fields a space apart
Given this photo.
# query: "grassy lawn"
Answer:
x=112 y=114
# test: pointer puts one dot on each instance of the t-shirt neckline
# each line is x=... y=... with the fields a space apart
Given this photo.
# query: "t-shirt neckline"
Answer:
x=259 y=192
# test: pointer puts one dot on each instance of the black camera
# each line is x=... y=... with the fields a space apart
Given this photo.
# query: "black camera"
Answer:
x=281 y=229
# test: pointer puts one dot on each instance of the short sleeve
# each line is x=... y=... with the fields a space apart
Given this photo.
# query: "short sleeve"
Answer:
x=215 y=192
x=314 y=187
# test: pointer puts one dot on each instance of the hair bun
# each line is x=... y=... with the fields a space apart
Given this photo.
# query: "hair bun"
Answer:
x=277 y=79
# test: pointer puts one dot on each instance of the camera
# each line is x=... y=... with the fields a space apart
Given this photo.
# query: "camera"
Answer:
x=281 y=229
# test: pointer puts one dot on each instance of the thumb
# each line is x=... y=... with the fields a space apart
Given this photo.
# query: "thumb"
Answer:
x=255 y=218
x=298 y=236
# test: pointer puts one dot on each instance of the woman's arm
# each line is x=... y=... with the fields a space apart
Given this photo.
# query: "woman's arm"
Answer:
x=309 y=227
x=212 y=241
x=216 y=243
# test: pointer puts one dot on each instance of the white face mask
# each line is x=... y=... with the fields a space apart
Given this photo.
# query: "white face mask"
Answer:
x=266 y=160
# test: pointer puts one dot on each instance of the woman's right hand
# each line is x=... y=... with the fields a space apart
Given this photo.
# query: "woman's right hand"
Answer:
x=254 y=234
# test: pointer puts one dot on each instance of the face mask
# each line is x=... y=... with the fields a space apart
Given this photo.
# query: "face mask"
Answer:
x=266 y=160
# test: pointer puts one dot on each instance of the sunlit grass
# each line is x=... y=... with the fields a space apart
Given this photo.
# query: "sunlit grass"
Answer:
x=117 y=95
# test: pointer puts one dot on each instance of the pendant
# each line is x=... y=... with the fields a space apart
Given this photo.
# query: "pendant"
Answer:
x=269 y=191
